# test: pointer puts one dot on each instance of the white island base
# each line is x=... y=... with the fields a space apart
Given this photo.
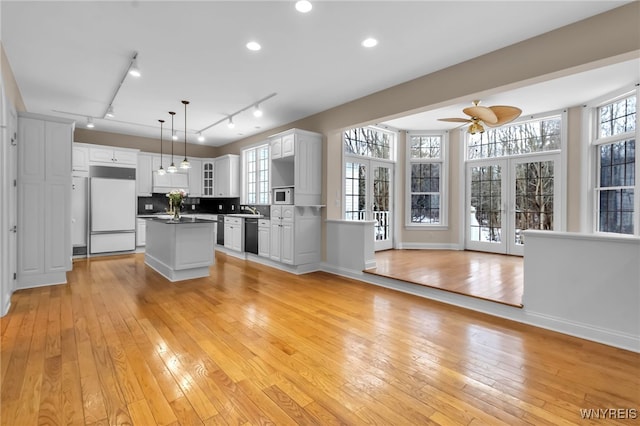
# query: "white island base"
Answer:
x=180 y=250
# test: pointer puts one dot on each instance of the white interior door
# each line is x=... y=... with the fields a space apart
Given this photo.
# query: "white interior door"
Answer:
x=369 y=196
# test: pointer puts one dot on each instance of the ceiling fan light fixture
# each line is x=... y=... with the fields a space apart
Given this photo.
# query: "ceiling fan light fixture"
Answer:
x=476 y=127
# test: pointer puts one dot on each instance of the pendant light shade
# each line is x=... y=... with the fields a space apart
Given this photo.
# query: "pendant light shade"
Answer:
x=172 y=168
x=185 y=163
x=161 y=170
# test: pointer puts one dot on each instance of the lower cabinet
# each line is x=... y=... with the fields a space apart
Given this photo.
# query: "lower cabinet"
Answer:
x=141 y=232
x=295 y=237
x=234 y=233
x=264 y=234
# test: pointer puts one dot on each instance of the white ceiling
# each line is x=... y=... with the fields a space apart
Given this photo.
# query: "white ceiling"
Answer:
x=69 y=57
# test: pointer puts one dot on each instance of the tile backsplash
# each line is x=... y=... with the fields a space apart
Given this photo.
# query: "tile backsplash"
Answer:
x=159 y=203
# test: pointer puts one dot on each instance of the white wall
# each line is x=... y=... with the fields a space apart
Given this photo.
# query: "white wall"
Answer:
x=584 y=285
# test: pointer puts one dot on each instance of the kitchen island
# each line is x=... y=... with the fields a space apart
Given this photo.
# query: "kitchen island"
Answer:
x=180 y=250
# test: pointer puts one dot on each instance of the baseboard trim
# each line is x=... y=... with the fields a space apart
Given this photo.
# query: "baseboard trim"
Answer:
x=428 y=246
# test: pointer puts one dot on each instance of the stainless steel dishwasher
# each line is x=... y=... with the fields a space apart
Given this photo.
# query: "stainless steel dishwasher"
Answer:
x=251 y=235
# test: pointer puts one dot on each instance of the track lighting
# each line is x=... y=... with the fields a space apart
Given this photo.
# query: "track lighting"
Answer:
x=200 y=137
x=174 y=135
x=90 y=124
x=172 y=168
x=185 y=163
x=257 y=112
x=110 y=113
x=133 y=66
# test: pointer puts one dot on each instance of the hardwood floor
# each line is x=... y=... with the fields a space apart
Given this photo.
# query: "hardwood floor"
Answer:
x=252 y=345
x=489 y=276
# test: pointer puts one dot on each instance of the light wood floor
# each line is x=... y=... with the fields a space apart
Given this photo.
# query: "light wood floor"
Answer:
x=252 y=345
x=489 y=276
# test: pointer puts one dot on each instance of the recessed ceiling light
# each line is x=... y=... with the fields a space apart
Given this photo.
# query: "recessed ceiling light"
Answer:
x=369 y=42
x=254 y=45
x=304 y=6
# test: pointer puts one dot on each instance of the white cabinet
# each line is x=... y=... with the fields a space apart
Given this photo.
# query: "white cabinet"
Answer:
x=80 y=158
x=282 y=234
x=264 y=233
x=79 y=211
x=297 y=162
x=144 y=175
x=207 y=177
x=234 y=233
x=169 y=181
x=113 y=156
x=141 y=232
x=227 y=176
x=195 y=178
x=295 y=235
x=44 y=200
x=282 y=146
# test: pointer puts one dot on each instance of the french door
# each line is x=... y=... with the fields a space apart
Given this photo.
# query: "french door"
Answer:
x=506 y=197
x=369 y=196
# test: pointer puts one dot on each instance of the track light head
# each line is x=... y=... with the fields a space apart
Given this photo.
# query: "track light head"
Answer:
x=257 y=112
x=134 y=70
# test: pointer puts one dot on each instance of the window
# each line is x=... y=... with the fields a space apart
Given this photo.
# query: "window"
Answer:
x=256 y=175
x=427 y=178
x=369 y=142
x=616 y=167
x=525 y=137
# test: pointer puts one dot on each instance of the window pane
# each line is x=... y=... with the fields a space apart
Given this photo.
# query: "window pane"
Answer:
x=521 y=138
x=426 y=146
x=368 y=142
x=618 y=117
x=616 y=211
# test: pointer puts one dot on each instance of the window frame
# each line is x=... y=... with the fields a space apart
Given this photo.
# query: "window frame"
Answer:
x=244 y=194
x=594 y=144
x=444 y=179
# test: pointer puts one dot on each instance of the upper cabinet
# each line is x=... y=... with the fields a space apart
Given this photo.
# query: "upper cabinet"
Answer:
x=207 y=177
x=143 y=175
x=80 y=162
x=227 y=176
x=113 y=156
x=195 y=178
x=297 y=162
x=282 y=146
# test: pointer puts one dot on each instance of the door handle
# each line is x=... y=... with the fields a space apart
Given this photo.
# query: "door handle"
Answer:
x=14 y=229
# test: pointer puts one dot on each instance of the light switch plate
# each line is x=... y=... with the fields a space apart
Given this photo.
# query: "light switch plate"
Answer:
x=148 y=206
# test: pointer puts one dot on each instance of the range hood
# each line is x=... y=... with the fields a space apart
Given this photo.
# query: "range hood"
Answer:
x=170 y=181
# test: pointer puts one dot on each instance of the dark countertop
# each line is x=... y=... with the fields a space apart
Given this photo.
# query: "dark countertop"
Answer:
x=182 y=221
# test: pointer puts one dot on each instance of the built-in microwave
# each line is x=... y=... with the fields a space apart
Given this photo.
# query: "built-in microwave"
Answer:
x=283 y=196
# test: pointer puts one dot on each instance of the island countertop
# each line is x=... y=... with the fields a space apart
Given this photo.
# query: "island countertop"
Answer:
x=182 y=221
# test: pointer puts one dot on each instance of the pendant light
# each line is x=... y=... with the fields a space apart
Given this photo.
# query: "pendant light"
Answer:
x=185 y=163
x=172 y=168
x=161 y=171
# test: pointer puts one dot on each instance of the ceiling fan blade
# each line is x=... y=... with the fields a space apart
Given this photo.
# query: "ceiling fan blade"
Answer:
x=505 y=114
x=456 y=120
x=481 y=113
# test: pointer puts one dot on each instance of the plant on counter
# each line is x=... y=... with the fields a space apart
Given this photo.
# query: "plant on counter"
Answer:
x=176 y=198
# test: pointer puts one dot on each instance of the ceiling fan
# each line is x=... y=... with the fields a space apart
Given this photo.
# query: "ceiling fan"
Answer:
x=492 y=116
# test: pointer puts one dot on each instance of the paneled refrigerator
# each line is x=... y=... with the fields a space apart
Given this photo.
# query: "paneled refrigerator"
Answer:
x=113 y=209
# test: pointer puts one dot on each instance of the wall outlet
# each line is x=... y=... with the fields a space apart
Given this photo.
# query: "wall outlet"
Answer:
x=219 y=206
x=148 y=206
x=233 y=207
x=193 y=206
